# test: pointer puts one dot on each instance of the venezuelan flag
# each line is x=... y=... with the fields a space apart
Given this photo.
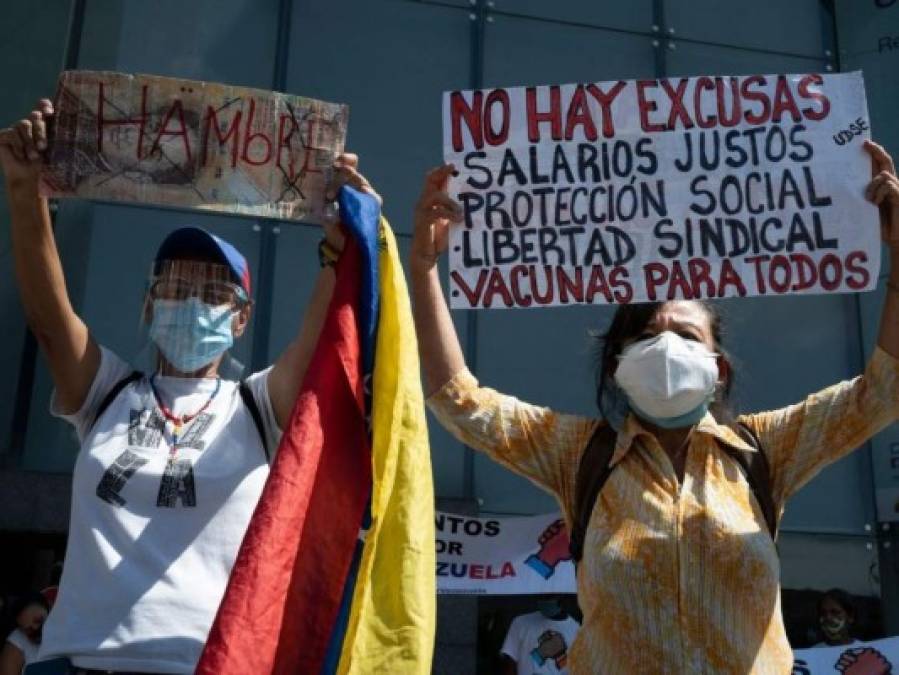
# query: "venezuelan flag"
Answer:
x=336 y=571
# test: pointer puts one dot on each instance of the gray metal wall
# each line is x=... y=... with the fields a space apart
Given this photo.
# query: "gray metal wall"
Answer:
x=390 y=60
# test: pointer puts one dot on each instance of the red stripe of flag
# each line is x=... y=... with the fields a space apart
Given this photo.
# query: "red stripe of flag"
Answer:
x=285 y=589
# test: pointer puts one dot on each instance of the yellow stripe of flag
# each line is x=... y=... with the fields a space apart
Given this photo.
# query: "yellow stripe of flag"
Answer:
x=392 y=618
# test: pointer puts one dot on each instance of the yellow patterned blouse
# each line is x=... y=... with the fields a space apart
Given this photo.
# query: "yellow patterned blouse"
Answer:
x=676 y=578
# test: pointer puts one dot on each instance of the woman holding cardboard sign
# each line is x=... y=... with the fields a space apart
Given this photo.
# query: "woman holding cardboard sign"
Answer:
x=672 y=503
x=172 y=463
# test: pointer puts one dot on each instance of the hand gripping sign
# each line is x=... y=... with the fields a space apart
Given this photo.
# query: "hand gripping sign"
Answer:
x=649 y=190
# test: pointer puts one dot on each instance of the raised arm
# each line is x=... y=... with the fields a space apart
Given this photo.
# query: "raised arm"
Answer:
x=287 y=373
x=534 y=441
x=884 y=192
x=802 y=439
x=72 y=354
x=435 y=212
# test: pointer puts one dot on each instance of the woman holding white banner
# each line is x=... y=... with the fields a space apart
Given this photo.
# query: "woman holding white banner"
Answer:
x=677 y=502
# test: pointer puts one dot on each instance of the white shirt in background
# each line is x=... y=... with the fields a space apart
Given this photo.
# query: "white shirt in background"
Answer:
x=540 y=645
x=29 y=650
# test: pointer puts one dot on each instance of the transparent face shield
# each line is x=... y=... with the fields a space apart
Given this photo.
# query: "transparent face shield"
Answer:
x=193 y=312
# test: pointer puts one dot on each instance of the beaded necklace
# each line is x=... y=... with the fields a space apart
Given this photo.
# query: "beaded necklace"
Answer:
x=178 y=422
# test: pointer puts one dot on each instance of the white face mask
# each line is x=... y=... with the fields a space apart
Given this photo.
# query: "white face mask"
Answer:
x=833 y=626
x=667 y=377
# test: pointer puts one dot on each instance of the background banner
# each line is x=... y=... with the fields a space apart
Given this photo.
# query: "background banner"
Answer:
x=503 y=556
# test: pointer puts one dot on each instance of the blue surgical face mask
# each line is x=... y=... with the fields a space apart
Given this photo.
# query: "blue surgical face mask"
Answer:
x=190 y=333
x=549 y=607
x=688 y=419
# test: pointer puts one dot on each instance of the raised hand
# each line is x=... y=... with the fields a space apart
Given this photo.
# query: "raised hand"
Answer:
x=883 y=190
x=435 y=211
x=22 y=146
x=346 y=172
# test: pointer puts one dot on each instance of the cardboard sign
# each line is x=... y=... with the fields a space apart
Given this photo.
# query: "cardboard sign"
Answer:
x=157 y=140
x=503 y=555
x=681 y=188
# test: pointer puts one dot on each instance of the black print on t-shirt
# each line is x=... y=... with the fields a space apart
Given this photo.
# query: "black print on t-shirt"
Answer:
x=193 y=436
x=115 y=477
x=145 y=428
x=177 y=483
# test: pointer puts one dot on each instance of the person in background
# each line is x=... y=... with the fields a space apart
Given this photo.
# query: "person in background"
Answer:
x=28 y=613
x=836 y=618
x=538 y=643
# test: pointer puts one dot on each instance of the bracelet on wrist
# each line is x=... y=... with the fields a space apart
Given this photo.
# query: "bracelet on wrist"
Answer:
x=327 y=254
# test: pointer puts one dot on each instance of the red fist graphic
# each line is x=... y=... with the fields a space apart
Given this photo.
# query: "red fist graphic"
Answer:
x=550 y=645
x=554 y=548
x=863 y=661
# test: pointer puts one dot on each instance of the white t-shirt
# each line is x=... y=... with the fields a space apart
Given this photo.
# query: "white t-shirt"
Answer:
x=29 y=650
x=539 y=645
x=151 y=544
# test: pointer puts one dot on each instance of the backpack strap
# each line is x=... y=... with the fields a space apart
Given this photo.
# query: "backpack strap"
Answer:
x=757 y=472
x=111 y=395
x=249 y=400
x=592 y=473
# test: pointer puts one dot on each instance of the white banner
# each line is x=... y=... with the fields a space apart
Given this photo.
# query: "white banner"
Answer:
x=861 y=658
x=635 y=191
x=503 y=556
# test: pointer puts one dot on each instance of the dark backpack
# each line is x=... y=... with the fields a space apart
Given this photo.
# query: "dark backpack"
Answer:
x=595 y=467
x=245 y=394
